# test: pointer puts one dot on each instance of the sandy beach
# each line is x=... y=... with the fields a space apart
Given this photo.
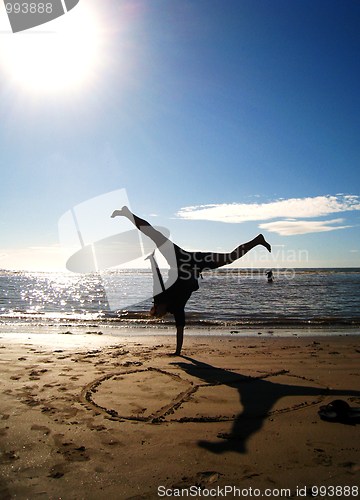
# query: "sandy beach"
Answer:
x=89 y=416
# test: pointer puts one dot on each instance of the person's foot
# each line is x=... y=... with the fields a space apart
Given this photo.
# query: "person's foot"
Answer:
x=264 y=243
x=124 y=211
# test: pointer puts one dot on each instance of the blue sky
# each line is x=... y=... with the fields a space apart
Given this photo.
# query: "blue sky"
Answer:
x=219 y=119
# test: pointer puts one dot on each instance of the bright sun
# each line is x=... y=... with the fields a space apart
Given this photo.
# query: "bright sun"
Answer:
x=58 y=56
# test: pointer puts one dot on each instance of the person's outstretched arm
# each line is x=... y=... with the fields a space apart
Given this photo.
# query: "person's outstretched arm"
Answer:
x=179 y=339
x=179 y=315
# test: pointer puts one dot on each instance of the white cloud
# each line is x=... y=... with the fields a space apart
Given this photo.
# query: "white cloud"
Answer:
x=317 y=206
x=291 y=227
x=293 y=210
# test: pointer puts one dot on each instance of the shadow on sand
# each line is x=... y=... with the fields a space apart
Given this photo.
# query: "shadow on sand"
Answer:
x=257 y=396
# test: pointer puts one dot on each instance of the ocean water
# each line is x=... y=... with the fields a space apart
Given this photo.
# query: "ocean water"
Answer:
x=227 y=297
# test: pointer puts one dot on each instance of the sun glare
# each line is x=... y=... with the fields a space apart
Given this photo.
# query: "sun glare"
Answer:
x=58 y=56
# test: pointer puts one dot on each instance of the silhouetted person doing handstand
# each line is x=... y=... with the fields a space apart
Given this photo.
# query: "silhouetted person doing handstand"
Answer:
x=185 y=269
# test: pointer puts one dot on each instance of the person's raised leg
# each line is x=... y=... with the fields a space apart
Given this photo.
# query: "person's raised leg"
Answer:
x=223 y=259
x=144 y=226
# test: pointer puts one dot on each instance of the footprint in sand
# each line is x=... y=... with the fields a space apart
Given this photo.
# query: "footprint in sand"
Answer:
x=57 y=471
x=322 y=458
x=70 y=451
x=42 y=428
x=201 y=479
x=8 y=456
x=36 y=374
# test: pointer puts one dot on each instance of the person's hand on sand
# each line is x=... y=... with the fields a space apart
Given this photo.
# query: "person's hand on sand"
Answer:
x=123 y=212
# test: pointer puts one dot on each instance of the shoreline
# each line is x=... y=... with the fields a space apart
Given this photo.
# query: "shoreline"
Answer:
x=131 y=330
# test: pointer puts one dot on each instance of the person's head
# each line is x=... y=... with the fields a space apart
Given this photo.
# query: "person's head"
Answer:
x=159 y=310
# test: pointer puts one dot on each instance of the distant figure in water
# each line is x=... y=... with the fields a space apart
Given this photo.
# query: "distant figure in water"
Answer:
x=185 y=269
x=270 y=276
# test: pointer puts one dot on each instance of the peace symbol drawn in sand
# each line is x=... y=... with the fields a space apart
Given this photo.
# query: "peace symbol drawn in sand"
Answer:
x=154 y=395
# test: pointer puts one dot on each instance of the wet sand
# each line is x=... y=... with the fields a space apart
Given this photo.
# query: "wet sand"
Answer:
x=91 y=416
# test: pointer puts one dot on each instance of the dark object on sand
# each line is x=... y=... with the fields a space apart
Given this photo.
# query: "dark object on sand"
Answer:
x=340 y=411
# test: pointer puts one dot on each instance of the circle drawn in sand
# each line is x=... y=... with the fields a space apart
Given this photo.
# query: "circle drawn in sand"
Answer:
x=154 y=395
x=145 y=395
